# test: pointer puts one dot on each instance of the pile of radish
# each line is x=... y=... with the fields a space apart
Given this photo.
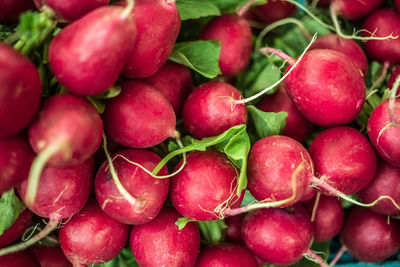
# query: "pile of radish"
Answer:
x=199 y=133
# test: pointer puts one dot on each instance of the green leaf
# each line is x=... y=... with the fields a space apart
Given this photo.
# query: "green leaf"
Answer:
x=124 y=259
x=97 y=103
x=322 y=249
x=248 y=199
x=194 y=9
x=267 y=123
x=110 y=93
x=10 y=208
x=201 y=56
x=181 y=222
x=212 y=231
x=230 y=6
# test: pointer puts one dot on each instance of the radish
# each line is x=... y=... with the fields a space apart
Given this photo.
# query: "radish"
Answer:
x=273 y=10
x=210 y=109
x=226 y=255
x=158 y=24
x=234 y=33
x=92 y=237
x=309 y=194
x=97 y=46
x=17 y=229
x=233 y=228
x=17 y=90
x=161 y=243
x=370 y=237
x=15 y=160
x=397 y=2
x=18 y=259
x=139 y=117
x=50 y=257
x=11 y=9
x=67 y=11
x=175 y=82
x=355 y=9
x=392 y=79
x=150 y=192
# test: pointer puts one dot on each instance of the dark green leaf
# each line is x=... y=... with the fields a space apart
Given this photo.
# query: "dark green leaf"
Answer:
x=110 y=93
x=248 y=199
x=181 y=222
x=267 y=123
x=124 y=259
x=194 y=9
x=230 y=6
x=10 y=208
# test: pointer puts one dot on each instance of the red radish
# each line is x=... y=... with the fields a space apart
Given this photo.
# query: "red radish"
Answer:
x=15 y=160
x=18 y=259
x=385 y=183
x=393 y=77
x=273 y=10
x=346 y=46
x=92 y=237
x=383 y=22
x=17 y=91
x=139 y=117
x=233 y=229
x=67 y=11
x=17 y=229
x=384 y=131
x=297 y=127
x=175 y=82
x=226 y=255
x=397 y=2
x=161 y=243
x=206 y=186
x=355 y=9
x=11 y=9
x=97 y=46
x=279 y=169
x=324 y=3
x=370 y=237
x=329 y=217
x=211 y=109
x=151 y=192
x=50 y=257
x=158 y=24
x=234 y=33
x=344 y=159
x=265 y=230
x=310 y=193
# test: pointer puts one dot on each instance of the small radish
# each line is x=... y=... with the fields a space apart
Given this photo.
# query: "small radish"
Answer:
x=234 y=33
x=211 y=109
x=17 y=91
x=139 y=117
x=50 y=257
x=369 y=236
x=19 y=259
x=355 y=9
x=273 y=10
x=17 y=229
x=11 y=9
x=233 y=228
x=67 y=11
x=158 y=24
x=161 y=243
x=92 y=237
x=88 y=55
x=393 y=77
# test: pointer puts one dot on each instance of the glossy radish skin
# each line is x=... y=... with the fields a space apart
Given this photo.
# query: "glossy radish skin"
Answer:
x=356 y=9
x=234 y=33
x=344 y=159
x=140 y=116
x=175 y=82
x=88 y=55
x=161 y=243
x=273 y=10
x=369 y=237
x=384 y=133
x=383 y=22
x=67 y=11
x=326 y=87
x=152 y=192
x=265 y=230
x=310 y=193
x=63 y=191
x=385 y=183
x=17 y=228
x=50 y=256
x=15 y=160
x=348 y=47
x=226 y=255
x=210 y=110
x=207 y=181
x=11 y=9
x=297 y=127
x=19 y=94
x=21 y=258
x=233 y=228
x=393 y=77
x=158 y=23
x=274 y=164
x=84 y=236
x=329 y=217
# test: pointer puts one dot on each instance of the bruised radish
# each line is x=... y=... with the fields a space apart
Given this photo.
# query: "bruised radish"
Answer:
x=11 y=9
x=233 y=228
x=15 y=160
x=50 y=257
x=19 y=259
x=206 y=186
x=19 y=94
x=158 y=24
x=234 y=33
x=384 y=131
x=369 y=236
x=211 y=109
x=344 y=159
x=17 y=228
x=139 y=117
x=161 y=243
x=393 y=77
x=92 y=237
x=273 y=10
x=151 y=192
x=278 y=236
x=175 y=82
x=67 y=11
x=226 y=255
x=355 y=9
x=88 y=55
x=297 y=127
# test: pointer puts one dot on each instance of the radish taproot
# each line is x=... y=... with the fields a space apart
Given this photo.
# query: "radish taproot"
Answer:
x=17 y=228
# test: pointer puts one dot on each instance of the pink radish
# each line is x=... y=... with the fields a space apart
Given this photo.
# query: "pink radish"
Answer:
x=18 y=259
x=11 y=9
x=355 y=9
x=50 y=257
x=17 y=229
x=273 y=10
